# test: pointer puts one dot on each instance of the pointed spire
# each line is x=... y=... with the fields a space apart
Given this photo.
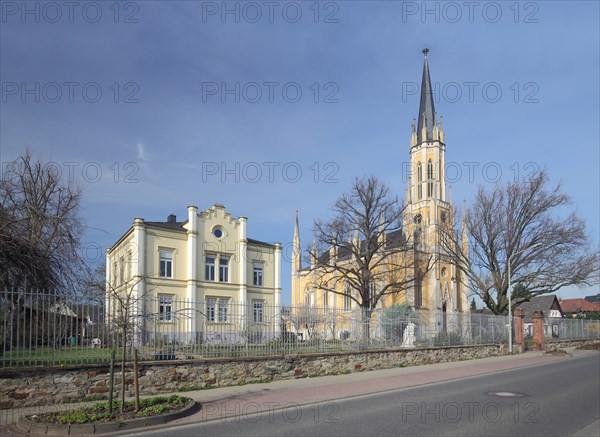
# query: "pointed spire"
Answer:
x=296 y=255
x=441 y=128
x=413 y=134
x=464 y=230
x=426 y=106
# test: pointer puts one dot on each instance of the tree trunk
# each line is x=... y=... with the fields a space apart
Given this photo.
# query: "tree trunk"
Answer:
x=124 y=351
x=366 y=326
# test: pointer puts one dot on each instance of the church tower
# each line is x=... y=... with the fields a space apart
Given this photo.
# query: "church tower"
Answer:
x=428 y=211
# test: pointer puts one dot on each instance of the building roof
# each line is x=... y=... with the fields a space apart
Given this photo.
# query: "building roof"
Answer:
x=593 y=298
x=573 y=306
x=540 y=303
x=259 y=243
x=173 y=226
x=179 y=227
x=393 y=240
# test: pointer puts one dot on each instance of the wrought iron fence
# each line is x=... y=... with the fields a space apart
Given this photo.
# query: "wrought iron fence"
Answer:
x=39 y=329
x=558 y=328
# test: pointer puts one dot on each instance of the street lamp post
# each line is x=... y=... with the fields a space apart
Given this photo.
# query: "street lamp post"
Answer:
x=509 y=293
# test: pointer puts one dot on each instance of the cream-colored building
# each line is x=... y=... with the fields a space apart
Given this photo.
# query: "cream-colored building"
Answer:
x=441 y=292
x=194 y=277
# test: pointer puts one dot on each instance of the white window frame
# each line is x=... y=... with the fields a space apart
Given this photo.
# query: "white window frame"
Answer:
x=258 y=311
x=211 y=309
x=169 y=264
x=165 y=307
x=209 y=268
x=224 y=269
x=223 y=310
x=258 y=275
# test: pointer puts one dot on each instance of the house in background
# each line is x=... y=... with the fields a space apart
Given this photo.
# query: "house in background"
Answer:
x=194 y=278
x=550 y=306
x=579 y=307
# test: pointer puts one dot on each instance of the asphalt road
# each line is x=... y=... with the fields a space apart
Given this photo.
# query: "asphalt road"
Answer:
x=555 y=399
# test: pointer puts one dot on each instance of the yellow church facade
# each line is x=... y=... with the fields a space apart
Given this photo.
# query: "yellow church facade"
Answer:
x=437 y=290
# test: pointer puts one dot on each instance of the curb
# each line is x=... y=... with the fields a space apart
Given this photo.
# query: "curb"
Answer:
x=24 y=424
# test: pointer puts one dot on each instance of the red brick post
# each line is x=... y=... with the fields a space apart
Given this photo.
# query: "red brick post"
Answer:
x=519 y=329
x=538 y=330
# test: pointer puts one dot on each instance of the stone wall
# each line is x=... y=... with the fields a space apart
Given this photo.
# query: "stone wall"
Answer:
x=552 y=346
x=29 y=387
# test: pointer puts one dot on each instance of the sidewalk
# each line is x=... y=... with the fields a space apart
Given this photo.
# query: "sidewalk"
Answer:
x=252 y=399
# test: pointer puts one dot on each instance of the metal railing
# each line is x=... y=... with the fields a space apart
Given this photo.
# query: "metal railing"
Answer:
x=558 y=328
x=38 y=329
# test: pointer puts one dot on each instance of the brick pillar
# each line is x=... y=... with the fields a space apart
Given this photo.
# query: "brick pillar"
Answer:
x=519 y=329
x=538 y=330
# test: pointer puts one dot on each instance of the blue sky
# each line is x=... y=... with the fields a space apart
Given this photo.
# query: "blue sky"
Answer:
x=272 y=107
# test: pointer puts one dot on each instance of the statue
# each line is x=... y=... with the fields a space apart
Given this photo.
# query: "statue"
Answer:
x=408 y=339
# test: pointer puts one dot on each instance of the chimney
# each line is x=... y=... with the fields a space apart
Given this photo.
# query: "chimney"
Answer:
x=172 y=218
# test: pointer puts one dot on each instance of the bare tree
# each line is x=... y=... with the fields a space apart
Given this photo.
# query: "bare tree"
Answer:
x=366 y=253
x=524 y=222
x=40 y=228
x=125 y=313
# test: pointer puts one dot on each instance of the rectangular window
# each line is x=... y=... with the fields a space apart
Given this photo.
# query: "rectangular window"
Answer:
x=211 y=304
x=165 y=308
x=258 y=311
x=224 y=269
x=258 y=275
x=210 y=268
x=325 y=300
x=129 y=266
x=122 y=269
x=223 y=307
x=418 y=292
x=166 y=263
x=347 y=299
x=114 y=274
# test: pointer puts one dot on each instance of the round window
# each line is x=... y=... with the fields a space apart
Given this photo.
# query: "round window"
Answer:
x=218 y=232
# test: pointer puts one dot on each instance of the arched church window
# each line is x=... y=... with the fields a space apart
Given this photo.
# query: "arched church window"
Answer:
x=418 y=219
x=418 y=290
x=429 y=178
x=419 y=181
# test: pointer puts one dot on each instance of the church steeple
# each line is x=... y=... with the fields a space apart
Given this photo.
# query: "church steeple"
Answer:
x=296 y=255
x=425 y=128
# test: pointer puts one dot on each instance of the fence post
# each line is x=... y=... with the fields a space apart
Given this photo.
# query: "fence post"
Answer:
x=519 y=328
x=538 y=330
